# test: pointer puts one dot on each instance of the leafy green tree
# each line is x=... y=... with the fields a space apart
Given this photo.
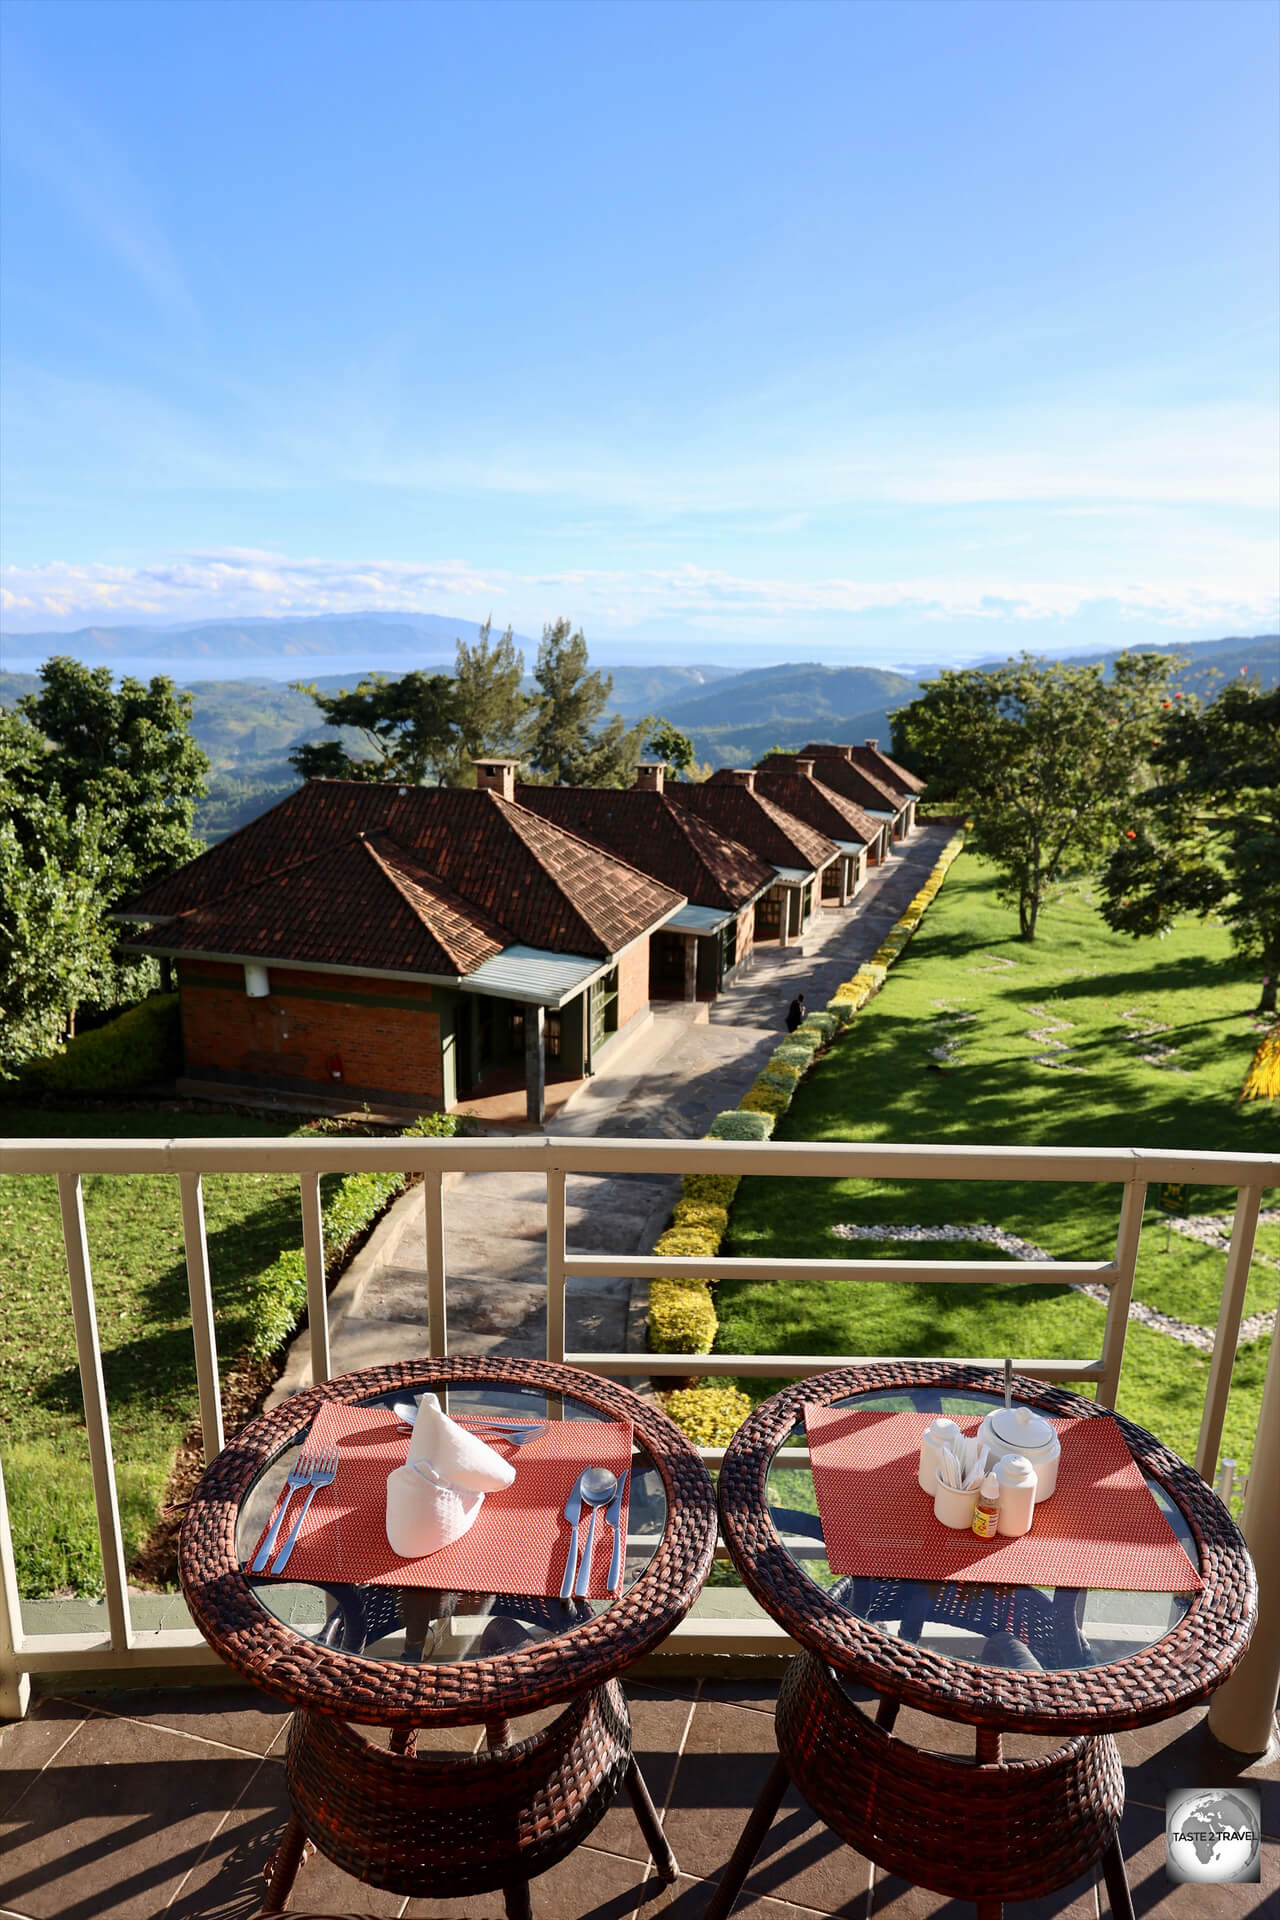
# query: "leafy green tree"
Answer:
x=1046 y=757
x=55 y=868
x=1205 y=838
x=489 y=706
x=329 y=760
x=667 y=743
x=127 y=754
x=407 y=725
x=571 y=698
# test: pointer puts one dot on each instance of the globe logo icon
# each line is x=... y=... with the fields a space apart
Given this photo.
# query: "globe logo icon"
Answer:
x=1213 y=1835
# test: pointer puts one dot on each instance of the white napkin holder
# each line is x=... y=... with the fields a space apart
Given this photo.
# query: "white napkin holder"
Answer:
x=438 y=1493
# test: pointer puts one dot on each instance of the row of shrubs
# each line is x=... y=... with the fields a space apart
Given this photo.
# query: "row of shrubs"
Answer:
x=140 y=1045
x=682 y=1315
x=349 y=1206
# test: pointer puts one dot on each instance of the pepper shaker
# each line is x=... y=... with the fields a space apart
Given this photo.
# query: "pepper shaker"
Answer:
x=1016 y=1478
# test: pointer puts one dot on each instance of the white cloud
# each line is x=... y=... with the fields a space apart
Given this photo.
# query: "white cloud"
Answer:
x=238 y=583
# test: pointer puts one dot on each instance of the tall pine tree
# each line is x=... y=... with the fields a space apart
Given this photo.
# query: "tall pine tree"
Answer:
x=561 y=745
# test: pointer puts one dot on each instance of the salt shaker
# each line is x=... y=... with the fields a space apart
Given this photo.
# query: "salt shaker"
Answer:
x=1016 y=1478
x=937 y=1435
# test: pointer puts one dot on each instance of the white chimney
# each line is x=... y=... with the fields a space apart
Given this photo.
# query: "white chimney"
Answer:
x=874 y=745
x=744 y=777
x=805 y=769
x=651 y=776
x=497 y=776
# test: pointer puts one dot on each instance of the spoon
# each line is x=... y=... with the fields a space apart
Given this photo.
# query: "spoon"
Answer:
x=598 y=1489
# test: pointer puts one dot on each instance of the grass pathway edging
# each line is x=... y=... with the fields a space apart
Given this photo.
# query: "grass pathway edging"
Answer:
x=682 y=1315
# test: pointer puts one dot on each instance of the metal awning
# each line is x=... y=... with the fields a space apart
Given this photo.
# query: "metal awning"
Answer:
x=535 y=975
x=793 y=876
x=852 y=846
x=691 y=919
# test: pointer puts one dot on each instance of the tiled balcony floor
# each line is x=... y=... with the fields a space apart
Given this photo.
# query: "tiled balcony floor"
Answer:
x=125 y=1806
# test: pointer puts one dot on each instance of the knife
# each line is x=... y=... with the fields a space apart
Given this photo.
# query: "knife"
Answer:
x=573 y=1514
x=611 y=1519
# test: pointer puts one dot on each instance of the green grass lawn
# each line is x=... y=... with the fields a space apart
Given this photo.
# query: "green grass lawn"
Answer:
x=968 y=987
x=140 y=1284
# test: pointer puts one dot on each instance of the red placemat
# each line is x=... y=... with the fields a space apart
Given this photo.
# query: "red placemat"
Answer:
x=518 y=1542
x=1100 y=1528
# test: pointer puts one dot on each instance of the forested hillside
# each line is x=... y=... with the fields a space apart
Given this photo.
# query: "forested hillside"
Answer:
x=249 y=726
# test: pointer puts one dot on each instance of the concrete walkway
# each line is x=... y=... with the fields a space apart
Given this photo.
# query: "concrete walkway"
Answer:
x=669 y=1082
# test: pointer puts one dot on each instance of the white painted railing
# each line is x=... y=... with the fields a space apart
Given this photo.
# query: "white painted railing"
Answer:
x=121 y=1644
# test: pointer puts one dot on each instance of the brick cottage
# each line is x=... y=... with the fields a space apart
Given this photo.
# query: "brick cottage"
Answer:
x=404 y=946
x=733 y=803
x=703 y=948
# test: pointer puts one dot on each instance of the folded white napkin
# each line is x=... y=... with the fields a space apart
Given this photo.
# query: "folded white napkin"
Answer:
x=438 y=1493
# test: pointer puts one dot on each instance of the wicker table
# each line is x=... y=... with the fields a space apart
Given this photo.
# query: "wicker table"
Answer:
x=449 y=1825
x=998 y=1658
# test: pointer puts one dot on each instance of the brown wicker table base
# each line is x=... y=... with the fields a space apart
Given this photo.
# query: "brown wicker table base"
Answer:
x=986 y=1830
x=448 y=1825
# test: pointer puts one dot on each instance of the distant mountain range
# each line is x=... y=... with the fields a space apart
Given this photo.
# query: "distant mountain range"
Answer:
x=281 y=647
x=284 y=649
x=247 y=725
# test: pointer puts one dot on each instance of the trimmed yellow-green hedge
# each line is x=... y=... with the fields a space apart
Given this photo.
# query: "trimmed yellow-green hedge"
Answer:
x=737 y=1125
x=144 y=1043
x=762 y=1098
x=798 y=1052
x=711 y=1189
x=688 y=1243
x=682 y=1315
x=710 y=1412
x=700 y=1213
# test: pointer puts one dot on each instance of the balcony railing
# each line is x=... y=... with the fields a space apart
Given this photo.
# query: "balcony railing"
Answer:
x=120 y=1641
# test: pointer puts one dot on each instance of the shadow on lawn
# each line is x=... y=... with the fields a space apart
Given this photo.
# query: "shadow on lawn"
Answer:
x=1190 y=974
x=156 y=1370
x=1009 y=1102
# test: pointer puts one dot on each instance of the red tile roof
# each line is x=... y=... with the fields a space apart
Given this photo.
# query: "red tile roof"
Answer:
x=855 y=783
x=758 y=822
x=648 y=830
x=874 y=761
x=472 y=872
x=345 y=906
x=810 y=800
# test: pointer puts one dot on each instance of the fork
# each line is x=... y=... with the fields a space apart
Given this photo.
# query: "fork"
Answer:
x=323 y=1473
x=299 y=1476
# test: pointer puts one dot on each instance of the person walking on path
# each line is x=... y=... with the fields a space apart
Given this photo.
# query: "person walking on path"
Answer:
x=795 y=1013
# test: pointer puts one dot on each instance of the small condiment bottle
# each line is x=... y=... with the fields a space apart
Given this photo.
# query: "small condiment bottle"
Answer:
x=1016 y=1478
x=986 y=1509
x=938 y=1434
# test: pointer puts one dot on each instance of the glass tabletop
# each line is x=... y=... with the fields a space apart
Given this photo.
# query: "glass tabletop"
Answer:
x=417 y=1624
x=1026 y=1627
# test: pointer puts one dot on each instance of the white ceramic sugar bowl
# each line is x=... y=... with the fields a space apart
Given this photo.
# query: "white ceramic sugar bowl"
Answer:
x=1022 y=1430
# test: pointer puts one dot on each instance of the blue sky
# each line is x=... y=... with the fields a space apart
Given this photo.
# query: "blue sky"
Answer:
x=875 y=332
